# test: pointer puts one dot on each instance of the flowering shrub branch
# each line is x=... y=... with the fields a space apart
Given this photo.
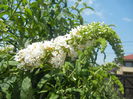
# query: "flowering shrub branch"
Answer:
x=55 y=52
x=64 y=67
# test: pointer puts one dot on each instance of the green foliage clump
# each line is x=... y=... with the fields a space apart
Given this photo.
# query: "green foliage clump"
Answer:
x=36 y=20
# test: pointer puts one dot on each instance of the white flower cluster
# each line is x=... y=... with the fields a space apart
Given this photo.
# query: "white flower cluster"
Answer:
x=34 y=54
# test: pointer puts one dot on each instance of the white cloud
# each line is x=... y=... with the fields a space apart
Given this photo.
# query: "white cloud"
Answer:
x=90 y=12
x=126 y=19
x=89 y=2
x=99 y=13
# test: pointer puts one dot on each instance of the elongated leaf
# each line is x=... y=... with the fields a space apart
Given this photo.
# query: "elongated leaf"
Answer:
x=28 y=11
x=54 y=96
x=26 y=89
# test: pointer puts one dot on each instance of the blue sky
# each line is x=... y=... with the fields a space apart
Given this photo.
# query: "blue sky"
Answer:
x=117 y=12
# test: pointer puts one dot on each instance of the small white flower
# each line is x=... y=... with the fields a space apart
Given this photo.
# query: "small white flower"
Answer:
x=75 y=31
x=48 y=44
x=73 y=53
x=32 y=55
x=58 y=58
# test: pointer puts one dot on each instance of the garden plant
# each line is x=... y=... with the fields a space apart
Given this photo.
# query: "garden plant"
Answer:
x=47 y=53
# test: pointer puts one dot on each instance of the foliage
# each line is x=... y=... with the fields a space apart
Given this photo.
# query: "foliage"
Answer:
x=25 y=21
x=37 y=20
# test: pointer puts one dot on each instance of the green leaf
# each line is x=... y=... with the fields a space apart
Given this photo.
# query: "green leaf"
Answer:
x=3 y=6
x=86 y=6
x=43 y=80
x=103 y=44
x=28 y=11
x=43 y=91
x=13 y=63
x=24 y=1
x=5 y=89
x=54 y=96
x=26 y=89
